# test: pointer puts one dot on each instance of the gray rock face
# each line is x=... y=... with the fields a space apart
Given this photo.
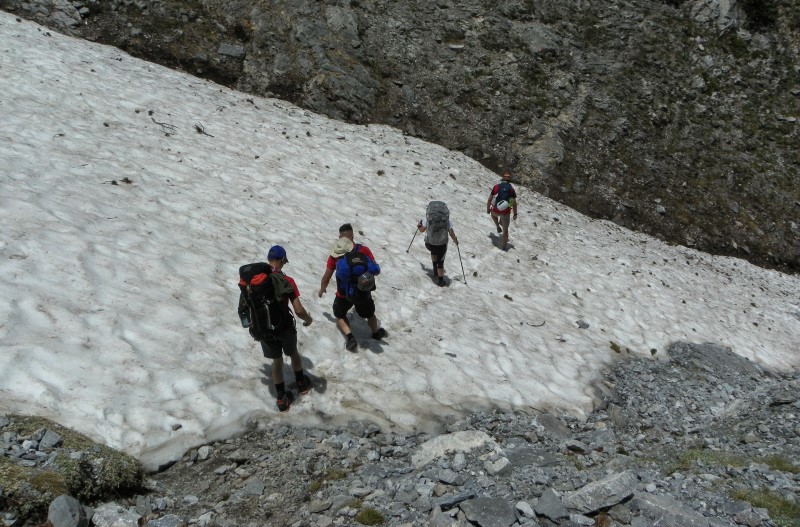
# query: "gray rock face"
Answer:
x=550 y=506
x=602 y=493
x=49 y=440
x=663 y=510
x=230 y=50
x=488 y=512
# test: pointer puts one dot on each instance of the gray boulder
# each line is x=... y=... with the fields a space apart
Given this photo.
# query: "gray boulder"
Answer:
x=66 y=511
x=602 y=493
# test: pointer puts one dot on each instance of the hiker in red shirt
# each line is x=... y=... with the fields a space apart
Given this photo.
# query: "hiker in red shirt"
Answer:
x=502 y=201
x=365 y=306
x=285 y=342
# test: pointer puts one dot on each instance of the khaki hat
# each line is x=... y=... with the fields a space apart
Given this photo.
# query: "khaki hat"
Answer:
x=341 y=247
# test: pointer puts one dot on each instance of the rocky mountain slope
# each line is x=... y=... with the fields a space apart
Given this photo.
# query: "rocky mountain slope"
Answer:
x=701 y=438
x=675 y=118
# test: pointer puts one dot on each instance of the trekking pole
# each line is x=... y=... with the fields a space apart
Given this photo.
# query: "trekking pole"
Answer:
x=412 y=239
x=462 y=264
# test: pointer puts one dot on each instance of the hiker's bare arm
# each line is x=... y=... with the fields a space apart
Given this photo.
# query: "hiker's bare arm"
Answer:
x=453 y=236
x=326 y=279
x=489 y=203
x=301 y=312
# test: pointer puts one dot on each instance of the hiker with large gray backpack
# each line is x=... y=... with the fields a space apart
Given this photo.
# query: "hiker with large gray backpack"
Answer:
x=437 y=227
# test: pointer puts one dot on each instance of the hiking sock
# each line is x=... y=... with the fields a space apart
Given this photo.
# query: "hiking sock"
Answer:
x=281 y=389
x=299 y=375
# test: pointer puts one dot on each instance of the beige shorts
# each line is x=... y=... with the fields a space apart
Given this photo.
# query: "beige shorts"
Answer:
x=505 y=219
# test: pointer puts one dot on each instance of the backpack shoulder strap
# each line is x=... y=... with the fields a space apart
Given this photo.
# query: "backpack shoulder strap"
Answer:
x=281 y=285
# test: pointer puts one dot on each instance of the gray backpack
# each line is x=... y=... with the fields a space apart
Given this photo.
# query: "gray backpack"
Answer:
x=438 y=217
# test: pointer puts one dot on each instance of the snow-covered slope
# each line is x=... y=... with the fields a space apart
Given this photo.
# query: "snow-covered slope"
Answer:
x=130 y=194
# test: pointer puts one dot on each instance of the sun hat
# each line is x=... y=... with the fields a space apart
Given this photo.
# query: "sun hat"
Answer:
x=276 y=252
x=341 y=247
x=502 y=205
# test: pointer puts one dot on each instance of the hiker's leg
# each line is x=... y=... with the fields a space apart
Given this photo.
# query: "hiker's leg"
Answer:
x=506 y=223
x=343 y=326
x=340 y=308
x=277 y=371
x=297 y=362
x=497 y=221
x=440 y=257
x=289 y=341
x=365 y=307
x=272 y=349
x=373 y=323
x=435 y=263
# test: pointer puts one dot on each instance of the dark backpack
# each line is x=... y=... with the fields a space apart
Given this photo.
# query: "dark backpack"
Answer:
x=504 y=192
x=350 y=274
x=438 y=218
x=260 y=306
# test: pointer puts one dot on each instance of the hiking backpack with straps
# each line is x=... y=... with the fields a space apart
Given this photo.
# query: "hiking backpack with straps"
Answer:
x=438 y=218
x=261 y=306
x=503 y=192
x=355 y=274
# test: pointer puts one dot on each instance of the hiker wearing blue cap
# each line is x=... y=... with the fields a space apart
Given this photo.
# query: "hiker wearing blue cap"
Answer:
x=285 y=342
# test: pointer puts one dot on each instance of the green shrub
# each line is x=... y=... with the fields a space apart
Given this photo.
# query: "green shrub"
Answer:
x=781 y=463
x=783 y=512
x=690 y=458
x=329 y=475
x=101 y=473
x=369 y=516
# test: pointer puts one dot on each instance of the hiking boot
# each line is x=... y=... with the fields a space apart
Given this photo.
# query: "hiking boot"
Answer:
x=441 y=282
x=499 y=230
x=352 y=343
x=304 y=385
x=285 y=401
x=381 y=333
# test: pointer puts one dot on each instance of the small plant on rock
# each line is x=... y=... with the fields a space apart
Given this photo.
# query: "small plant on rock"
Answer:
x=369 y=516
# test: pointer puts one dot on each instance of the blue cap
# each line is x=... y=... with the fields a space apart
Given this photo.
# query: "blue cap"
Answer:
x=276 y=252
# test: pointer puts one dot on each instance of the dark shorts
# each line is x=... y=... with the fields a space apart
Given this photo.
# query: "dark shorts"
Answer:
x=365 y=306
x=437 y=250
x=283 y=342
